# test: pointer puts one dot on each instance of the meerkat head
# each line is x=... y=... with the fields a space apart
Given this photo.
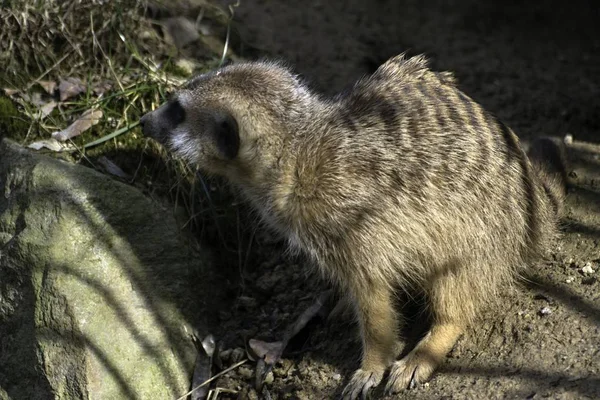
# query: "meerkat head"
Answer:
x=233 y=121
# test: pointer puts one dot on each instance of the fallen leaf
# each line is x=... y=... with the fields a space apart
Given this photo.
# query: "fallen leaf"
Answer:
x=181 y=31
x=51 y=144
x=10 y=92
x=46 y=109
x=202 y=369
x=49 y=86
x=34 y=98
x=70 y=87
x=270 y=351
x=86 y=121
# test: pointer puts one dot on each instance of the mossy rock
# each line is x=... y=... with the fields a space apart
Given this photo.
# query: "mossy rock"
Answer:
x=96 y=299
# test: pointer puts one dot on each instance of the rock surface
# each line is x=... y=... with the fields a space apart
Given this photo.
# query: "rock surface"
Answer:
x=93 y=286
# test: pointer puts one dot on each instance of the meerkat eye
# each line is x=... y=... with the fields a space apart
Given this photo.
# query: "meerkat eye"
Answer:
x=227 y=136
x=175 y=113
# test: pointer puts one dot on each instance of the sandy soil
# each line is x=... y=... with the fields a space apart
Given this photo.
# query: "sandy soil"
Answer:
x=537 y=66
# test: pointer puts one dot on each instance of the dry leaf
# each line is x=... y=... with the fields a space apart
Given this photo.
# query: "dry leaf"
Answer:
x=181 y=31
x=270 y=351
x=86 y=121
x=51 y=144
x=49 y=86
x=35 y=98
x=202 y=369
x=46 y=109
x=70 y=87
x=10 y=92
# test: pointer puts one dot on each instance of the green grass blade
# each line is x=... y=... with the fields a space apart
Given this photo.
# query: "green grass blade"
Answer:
x=112 y=135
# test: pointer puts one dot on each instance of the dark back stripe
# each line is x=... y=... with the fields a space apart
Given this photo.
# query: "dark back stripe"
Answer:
x=350 y=124
x=388 y=112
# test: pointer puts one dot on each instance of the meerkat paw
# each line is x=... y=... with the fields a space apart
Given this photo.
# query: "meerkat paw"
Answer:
x=361 y=383
x=417 y=367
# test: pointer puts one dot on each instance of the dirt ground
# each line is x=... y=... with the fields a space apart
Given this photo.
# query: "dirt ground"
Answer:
x=534 y=64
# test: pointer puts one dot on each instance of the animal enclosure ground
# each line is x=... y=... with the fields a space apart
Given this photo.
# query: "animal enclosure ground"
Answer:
x=534 y=64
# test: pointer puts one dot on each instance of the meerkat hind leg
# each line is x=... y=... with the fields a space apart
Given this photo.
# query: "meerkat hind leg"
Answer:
x=448 y=323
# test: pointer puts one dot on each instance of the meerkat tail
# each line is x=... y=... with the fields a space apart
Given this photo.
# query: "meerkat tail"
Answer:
x=549 y=161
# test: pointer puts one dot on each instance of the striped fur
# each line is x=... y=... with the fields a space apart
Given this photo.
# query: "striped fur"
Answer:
x=401 y=183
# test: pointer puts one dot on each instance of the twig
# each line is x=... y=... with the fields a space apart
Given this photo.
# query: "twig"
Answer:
x=48 y=70
x=234 y=366
x=232 y=8
x=108 y=60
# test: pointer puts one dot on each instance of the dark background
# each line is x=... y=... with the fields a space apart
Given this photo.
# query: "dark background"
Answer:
x=535 y=64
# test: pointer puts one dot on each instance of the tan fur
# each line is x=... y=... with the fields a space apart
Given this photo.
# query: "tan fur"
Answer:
x=401 y=183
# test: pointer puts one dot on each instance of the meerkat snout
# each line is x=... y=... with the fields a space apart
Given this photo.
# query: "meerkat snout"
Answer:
x=196 y=134
x=159 y=123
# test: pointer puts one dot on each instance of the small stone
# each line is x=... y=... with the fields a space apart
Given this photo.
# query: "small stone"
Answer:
x=337 y=377
x=587 y=269
x=545 y=311
x=570 y=279
x=568 y=139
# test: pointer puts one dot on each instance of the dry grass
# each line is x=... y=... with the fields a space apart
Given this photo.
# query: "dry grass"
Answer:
x=66 y=36
x=128 y=65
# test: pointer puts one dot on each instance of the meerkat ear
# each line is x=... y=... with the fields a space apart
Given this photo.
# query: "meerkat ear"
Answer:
x=226 y=135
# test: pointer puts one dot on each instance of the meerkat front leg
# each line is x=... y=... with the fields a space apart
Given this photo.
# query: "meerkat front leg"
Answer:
x=378 y=327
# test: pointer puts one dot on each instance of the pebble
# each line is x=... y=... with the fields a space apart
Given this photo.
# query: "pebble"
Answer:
x=568 y=139
x=545 y=311
x=587 y=269
x=337 y=377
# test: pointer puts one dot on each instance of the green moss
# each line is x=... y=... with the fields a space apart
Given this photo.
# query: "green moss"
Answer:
x=12 y=123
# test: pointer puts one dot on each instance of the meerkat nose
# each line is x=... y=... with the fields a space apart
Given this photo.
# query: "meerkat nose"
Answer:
x=143 y=120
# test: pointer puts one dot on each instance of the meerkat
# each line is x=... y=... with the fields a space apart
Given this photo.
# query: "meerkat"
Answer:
x=402 y=182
